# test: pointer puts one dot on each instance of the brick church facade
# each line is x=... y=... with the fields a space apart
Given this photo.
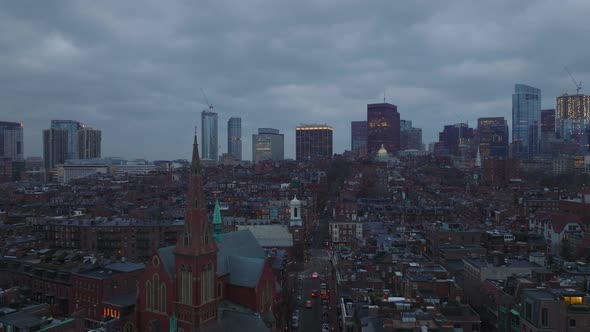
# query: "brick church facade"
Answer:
x=184 y=287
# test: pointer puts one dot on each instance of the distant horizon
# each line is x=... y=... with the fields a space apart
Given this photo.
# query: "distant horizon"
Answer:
x=144 y=81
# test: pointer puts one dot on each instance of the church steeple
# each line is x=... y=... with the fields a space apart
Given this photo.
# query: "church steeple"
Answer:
x=217 y=226
x=197 y=237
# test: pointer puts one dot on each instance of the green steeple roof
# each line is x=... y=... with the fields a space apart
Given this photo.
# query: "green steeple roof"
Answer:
x=217 y=222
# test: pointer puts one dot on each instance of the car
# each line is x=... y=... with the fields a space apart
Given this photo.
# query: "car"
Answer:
x=314 y=293
x=308 y=304
x=324 y=285
x=315 y=275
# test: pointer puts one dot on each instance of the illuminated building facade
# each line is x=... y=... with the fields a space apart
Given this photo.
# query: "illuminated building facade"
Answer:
x=383 y=128
x=573 y=115
x=313 y=142
x=493 y=137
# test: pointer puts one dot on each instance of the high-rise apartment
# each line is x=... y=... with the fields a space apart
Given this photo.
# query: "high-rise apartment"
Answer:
x=55 y=147
x=573 y=115
x=358 y=136
x=383 y=128
x=89 y=143
x=268 y=144
x=11 y=140
x=313 y=142
x=526 y=120
x=493 y=137
x=234 y=137
x=72 y=128
x=209 y=135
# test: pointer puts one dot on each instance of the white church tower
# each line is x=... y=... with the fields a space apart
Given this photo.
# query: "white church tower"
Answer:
x=296 y=220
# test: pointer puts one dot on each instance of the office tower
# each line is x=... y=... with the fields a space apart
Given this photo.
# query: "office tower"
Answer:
x=55 y=147
x=209 y=135
x=455 y=139
x=493 y=137
x=526 y=120
x=11 y=141
x=405 y=124
x=573 y=115
x=234 y=137
x=358 y=136
x=72 y=128
x=89 y=143
x=410 y=137
x=383 y=128
x=268 y=144
x=547 y=129
x=313 y=142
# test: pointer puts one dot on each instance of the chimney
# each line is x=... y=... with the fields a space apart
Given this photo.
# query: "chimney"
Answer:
x=498 y=258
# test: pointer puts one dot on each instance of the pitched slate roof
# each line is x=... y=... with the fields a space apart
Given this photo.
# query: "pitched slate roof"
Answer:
x=167 y=258
x=240 y=244
x=245 y=271
x=270 y=236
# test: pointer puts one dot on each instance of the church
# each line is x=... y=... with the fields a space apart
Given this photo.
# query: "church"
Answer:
x=208 y=281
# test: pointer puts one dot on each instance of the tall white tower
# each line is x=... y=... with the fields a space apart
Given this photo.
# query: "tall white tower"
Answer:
x=296 y=220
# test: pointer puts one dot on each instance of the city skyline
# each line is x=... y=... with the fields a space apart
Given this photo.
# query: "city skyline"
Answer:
x=323 y=70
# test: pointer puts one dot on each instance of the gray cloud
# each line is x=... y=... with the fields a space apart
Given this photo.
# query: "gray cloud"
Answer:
x=135 y=68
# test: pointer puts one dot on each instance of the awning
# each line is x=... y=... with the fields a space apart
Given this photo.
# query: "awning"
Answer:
x=514 y=312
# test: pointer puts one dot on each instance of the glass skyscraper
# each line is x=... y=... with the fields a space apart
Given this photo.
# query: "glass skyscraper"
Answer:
x=358 y=136
x=268 y=144
x=209 y=136
x=234 y=137
x=72 y=128
x=11 y=140
x=526 y=121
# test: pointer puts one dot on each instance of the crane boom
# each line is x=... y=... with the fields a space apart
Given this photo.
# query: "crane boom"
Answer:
x=207 y=100
x=576 y=83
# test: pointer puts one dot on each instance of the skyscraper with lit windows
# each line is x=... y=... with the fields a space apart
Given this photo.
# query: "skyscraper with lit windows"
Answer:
x=383 y=128
x=313 y=142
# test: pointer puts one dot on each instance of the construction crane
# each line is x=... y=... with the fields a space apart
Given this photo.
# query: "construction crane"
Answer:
x=207 y=100
x=576 y=83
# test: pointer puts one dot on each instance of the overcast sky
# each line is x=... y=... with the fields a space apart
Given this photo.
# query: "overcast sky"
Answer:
x=135 y=68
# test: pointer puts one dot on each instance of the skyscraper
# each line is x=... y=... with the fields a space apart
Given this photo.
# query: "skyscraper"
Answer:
x=526 y=120
x=573 y=115
x=72 y=128
x=410 y=137
x=493 y=137
x=358 y=136
x=456 y=139
x=234 y=137
x=89 y=143
x=268 y=144
x=55 y=147
x=383 y=128
x=547 y=129
x=209 y=135
x=313 y=142
x=11 y=140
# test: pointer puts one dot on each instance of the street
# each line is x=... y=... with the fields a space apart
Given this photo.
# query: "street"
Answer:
x=318 y=261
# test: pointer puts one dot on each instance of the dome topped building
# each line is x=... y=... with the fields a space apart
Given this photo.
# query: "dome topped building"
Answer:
x=382 y=154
